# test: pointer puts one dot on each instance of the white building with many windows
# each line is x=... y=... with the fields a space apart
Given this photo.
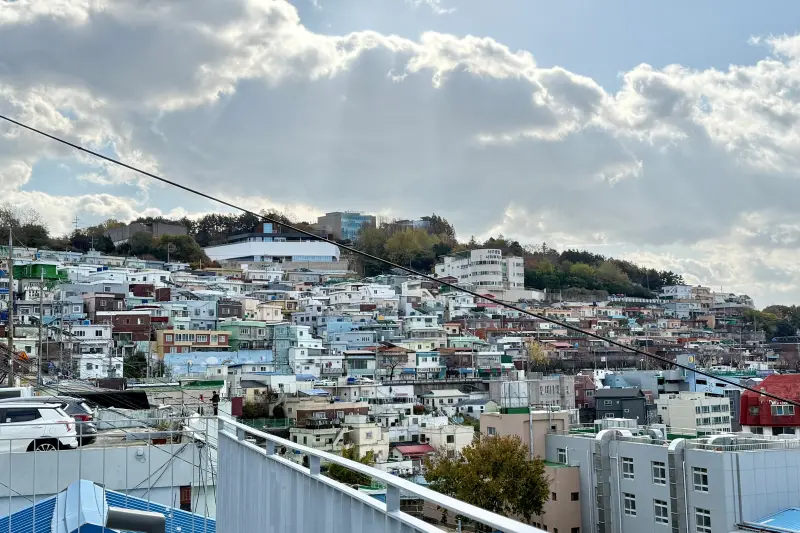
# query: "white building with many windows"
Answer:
x=483 y=269
x=695 y=413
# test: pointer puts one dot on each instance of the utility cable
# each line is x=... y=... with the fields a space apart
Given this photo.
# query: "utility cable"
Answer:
x=411 y=271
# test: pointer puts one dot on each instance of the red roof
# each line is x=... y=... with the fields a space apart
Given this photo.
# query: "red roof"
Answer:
x=415 y=450
x=783 y=385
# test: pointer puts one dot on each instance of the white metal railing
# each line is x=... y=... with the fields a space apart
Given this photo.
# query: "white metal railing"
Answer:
x=152 y=462
x=248 y=436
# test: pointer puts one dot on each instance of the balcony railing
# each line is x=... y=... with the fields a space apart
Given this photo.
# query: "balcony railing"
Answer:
x=260 y=488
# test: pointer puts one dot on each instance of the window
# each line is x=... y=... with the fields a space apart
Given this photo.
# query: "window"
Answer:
x=629 y=504
x=700 y=478
x=98 y=333
x=451 y=439
x=21 y=415
x=562 y=455
x=491 y=431
x=607 y=403
x=782 y=410
x=89 y=366
x=702 y=520
x=186 y=498
x=659 y=473
x=661 y=512
x=627 y=467
x=554 y=496
x=167 y=338
x=574 y=496
x=575 y=530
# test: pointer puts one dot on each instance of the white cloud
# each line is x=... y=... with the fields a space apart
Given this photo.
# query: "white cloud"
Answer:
x=691 y=168
x=436 y=6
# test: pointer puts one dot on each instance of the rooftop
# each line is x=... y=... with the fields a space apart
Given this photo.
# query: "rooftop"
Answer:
x=84 y=505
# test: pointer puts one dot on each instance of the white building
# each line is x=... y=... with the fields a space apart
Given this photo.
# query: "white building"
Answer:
x=367 y=437
x=695 y=413
x=485 y=269
x=450 y=437
x=275 y=252
x=444 y=400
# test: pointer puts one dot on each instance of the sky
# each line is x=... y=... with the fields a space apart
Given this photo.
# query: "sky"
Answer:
x=663 y=133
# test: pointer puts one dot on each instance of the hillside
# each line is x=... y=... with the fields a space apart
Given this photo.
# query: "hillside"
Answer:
x=545 y=267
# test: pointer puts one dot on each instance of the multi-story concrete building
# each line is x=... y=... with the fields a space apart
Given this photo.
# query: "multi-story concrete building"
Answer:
x=185 y=341
x=763 y=415
x=484 y=269
x=633 y=480
x=695 y=413
x=345 y=225
x=202 y=314
x=629 y=402
x=556 y=390
x=248 y=334
x=562 y=509
x=423 y=332
x=288 y=336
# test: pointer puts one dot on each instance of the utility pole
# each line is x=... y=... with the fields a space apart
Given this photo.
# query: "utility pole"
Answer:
x=10 y=326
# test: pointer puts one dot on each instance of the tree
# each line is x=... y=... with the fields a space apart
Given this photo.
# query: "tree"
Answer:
x=347 y=476
x=391 y=359
x=140 y=243
x=536 y=354
x=372 y=241
x=494 y=473
x=181 y=248
x=784 y=328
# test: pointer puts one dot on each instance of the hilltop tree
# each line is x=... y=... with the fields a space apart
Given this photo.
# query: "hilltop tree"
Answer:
x=494 y=473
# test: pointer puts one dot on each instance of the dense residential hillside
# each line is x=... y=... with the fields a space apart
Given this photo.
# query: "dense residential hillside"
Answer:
x=419 y=248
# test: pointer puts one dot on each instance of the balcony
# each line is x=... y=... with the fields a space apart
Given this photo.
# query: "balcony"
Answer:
x=210 y=474
x=260 y=489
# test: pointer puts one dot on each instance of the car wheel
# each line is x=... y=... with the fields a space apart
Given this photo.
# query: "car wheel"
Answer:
x=45 y=446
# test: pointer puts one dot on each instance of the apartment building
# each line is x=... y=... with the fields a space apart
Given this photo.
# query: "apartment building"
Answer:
x=248 y=334
x=186 y=341
x=633 y=480
x=562 y=509
x=484 y=269
x=695 y=413
x=345 y=225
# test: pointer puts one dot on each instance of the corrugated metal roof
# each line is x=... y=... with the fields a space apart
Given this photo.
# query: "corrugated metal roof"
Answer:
x=22 y=521
x=782 y=521
x=92 y=512
x=177 y=520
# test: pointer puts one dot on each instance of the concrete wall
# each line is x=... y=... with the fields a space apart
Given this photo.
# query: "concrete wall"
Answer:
x=135 y=470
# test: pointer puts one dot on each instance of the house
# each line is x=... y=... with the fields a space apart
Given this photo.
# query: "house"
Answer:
x=451 y=438
x=763 y=415
x=414 y=452
x=367 y=437
x=628 y=402
x=443 y=400
x=184 y=341
x=475 y=408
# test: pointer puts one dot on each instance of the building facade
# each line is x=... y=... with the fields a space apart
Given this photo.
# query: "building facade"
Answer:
x=345 y=225
x=483 y=269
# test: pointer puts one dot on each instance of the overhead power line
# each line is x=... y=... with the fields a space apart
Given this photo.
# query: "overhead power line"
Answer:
x=428 y=277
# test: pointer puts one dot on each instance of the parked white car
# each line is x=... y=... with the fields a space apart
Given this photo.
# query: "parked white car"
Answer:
x=35 y=427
